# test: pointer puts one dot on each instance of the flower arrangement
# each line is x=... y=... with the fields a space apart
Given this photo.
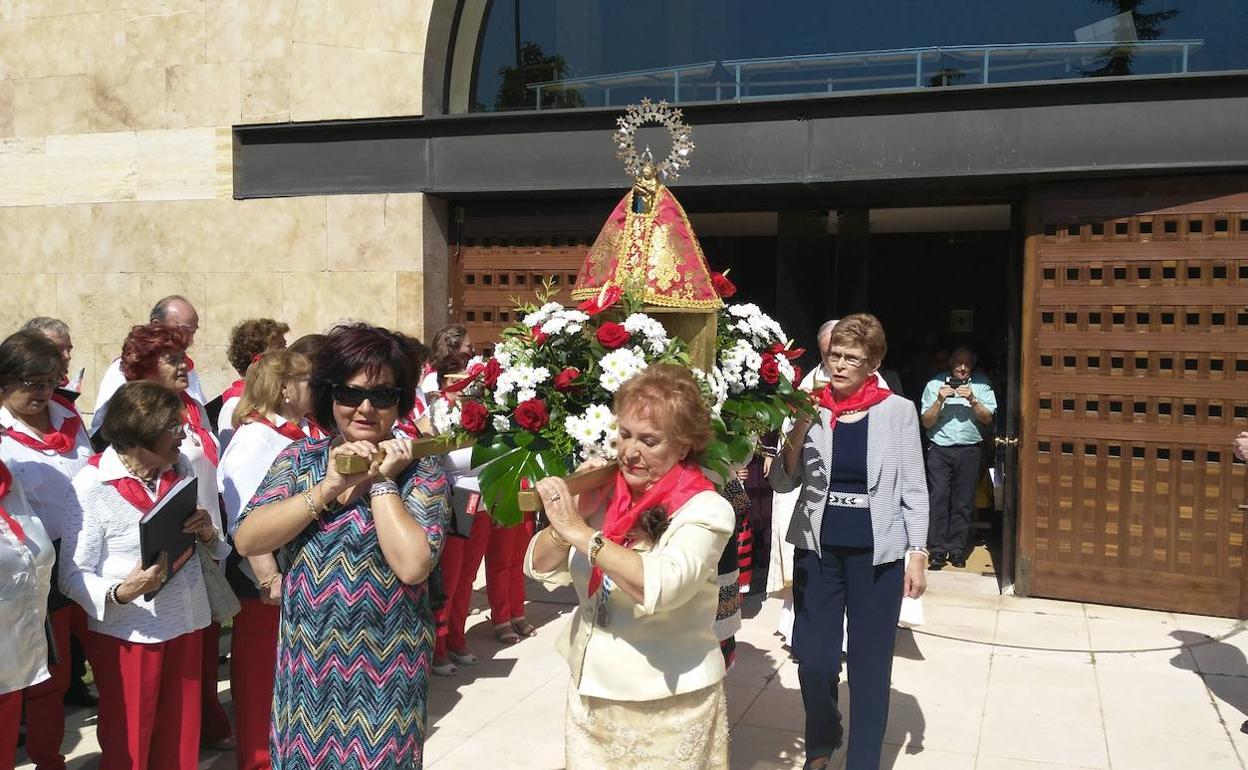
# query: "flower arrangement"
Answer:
x=542 y=403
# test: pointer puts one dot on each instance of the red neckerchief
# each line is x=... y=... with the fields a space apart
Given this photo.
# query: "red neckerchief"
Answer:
x=60 y=440
x=195 y=422
x=189 y=364
x=290 y=430
x=6 y=483
x=407 y=425
x=315 y=431
x=679 y=484
x=133 y=490
x=234 y=391
x=866 y=397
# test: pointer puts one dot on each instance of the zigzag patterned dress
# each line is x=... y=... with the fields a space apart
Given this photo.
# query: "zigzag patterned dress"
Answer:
x=355 y=642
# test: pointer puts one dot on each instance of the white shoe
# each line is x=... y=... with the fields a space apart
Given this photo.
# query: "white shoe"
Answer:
x=464 y=658
x=444 y=669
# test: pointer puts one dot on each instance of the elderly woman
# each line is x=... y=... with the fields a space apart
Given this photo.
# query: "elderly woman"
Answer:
x=273 y=410
x=146 y=653
x=647 y=673
x=26 y=564
x=249 y=340
x=863 y=505
x=156 y=353
x=356 y=631
x=47 y=445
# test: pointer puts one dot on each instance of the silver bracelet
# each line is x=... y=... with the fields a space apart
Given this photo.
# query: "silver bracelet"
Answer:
x=919 y=549
x=383 y=487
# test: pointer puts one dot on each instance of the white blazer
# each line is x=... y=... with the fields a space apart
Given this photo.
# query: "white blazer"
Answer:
x=667 y=645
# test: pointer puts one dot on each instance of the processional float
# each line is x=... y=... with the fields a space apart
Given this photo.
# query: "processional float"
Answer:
x=541 y=403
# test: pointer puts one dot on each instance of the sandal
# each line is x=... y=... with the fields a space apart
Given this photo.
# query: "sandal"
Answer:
x=464 y=658
x=444 y=669
x=504 y=633
x=523 y=627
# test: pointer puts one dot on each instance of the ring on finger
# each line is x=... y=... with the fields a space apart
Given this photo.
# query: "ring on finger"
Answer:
x=555 y=497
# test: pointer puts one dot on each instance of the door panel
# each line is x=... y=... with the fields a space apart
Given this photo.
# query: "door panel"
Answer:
x=1135 y=367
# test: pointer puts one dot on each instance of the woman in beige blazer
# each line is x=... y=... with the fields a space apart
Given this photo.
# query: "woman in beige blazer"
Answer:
x=647 y=675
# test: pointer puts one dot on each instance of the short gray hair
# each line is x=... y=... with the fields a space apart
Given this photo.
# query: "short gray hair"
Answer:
x=45 y=325
x=826 y=328
x=161 y=308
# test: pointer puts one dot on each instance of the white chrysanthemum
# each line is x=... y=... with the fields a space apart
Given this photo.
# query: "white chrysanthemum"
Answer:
x=650 y=330
x=716 y=385
x=443 y=415
x=542 y=314
x=501 y=423
x=600 y=416
x=524 y=394
x=618 y=366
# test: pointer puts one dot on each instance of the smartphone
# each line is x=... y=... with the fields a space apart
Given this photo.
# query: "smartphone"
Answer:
x=955 y=382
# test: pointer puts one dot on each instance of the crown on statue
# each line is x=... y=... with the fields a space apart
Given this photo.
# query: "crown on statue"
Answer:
x=647 y=246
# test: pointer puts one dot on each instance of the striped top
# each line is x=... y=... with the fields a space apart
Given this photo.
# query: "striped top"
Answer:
x=355 y=642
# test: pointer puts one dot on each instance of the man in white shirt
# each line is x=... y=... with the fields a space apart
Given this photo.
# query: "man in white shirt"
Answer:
x=174 y=310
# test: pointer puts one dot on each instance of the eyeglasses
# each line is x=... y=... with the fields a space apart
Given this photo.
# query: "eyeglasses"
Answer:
x=380 y=398
x=176 y=431
x=833 y=356
x=174 y=359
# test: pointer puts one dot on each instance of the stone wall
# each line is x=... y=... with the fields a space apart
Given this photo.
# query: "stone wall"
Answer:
x=116 y=167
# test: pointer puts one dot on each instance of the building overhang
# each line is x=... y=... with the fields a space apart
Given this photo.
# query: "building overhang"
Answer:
x=961 y=142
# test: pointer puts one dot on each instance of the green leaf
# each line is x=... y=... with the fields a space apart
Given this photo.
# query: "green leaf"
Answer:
x=484 y=453
x=500 y=486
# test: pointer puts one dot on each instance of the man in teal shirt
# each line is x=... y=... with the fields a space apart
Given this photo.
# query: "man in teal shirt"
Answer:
x=956 y=407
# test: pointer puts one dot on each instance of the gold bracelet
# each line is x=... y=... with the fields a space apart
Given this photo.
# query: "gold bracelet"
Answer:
x=311 y=506
x=558 y=541
x=270 y=580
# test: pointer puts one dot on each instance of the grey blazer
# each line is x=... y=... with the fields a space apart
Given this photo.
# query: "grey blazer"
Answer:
x=896 y=481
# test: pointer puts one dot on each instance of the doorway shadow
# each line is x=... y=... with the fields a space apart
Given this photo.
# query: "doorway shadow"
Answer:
x=1230 y=684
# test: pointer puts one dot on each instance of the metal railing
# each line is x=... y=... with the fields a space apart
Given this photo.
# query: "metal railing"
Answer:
x=904 y=67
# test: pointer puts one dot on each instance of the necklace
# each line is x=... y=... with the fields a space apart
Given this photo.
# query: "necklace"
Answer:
x=148 y=480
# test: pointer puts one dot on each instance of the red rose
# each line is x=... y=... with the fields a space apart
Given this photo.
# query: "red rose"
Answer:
x=613 y=335
x=472 y=415
x=539 y=336
x=605 y=300
x=565 y=380
x=489 y=375
x=770 y=370
x=723 y=287
x=532 y=414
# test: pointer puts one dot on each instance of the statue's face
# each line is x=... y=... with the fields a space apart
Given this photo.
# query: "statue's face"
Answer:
x=647 y=171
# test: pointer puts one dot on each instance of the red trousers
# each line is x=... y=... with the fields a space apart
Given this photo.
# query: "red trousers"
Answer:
x=216 y=723
x=504 y=570
x=252 y=663
x=461 y=558
x=149 y=701
x=45 y=702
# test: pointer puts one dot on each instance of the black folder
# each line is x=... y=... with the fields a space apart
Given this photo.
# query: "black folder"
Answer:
x=160 y=530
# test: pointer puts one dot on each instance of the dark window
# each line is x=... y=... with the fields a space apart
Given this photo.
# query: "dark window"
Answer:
x=1170 y=226
x=547 y=54
x=1121 y=228
x=1095 y=273
x=1146 y=227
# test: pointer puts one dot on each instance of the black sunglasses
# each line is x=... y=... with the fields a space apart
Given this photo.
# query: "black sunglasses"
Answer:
x=380 y=398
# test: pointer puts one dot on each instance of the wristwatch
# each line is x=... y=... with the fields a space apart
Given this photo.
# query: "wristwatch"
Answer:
x=596 y=542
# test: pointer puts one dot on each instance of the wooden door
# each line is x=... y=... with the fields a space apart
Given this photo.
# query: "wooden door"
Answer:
x=493 y=272
x=1135 y=381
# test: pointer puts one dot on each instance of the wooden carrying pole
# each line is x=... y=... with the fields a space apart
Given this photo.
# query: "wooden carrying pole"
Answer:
x=421 y=447
x=579 y=482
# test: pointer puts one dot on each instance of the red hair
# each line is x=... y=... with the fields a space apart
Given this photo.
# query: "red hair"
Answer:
x=145 y=345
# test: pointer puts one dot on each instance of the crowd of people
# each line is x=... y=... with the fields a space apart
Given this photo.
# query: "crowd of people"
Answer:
x=347 y=590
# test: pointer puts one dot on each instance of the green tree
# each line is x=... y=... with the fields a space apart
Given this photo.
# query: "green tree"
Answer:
x=1148 y=26
x=534 y=66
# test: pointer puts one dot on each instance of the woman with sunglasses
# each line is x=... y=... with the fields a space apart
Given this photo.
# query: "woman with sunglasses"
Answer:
x=356 y=632
x=274 y=409
x=146 y=653
x=156 y=352
x=862 y=507
x=46 y=445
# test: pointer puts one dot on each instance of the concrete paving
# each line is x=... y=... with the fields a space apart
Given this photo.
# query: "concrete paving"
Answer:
x=989 y=683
